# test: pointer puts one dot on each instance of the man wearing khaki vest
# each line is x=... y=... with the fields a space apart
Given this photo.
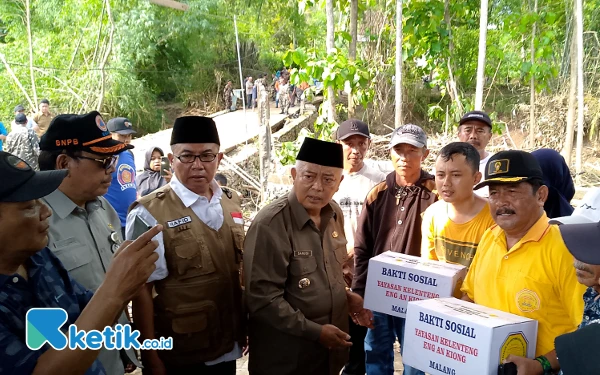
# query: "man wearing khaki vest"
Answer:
x=197 y=280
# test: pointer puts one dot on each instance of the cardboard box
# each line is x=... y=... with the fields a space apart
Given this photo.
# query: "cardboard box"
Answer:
x=450 y=336
x=395 y=279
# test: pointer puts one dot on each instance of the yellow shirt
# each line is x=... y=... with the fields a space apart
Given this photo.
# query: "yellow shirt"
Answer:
x=447 y=241
x=534 y=279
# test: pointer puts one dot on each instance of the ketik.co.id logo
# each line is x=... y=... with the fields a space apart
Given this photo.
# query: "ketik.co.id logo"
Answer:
x=44 y=326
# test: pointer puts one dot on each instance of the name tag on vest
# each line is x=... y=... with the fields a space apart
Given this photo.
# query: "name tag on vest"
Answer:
x=179 y=222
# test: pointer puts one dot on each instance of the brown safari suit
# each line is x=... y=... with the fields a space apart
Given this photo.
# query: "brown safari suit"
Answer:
x=294 y=285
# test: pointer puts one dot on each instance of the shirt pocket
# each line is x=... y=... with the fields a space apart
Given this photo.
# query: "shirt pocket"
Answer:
x=191 y=257
x=238 y=242
x=196 y=325
x=300 y=266
x=532 y=297
x=73 y=256
x=305 y=280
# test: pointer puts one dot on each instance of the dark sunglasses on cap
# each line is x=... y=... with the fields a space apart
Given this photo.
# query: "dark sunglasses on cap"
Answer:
x=107 y=163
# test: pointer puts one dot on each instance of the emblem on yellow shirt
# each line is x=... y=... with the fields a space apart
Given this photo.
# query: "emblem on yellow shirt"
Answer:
x=528 y=301
x=334 y=234
x=303 y=283
x=516 y=344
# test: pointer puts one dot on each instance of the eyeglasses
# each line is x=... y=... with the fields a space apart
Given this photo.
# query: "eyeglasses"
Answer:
x=191 y=158
x=107 y=163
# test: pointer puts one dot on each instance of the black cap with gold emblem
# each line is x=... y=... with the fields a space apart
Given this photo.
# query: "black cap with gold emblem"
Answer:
x=20 y=183
x=511 y=167
x=327 y=154
x=81 y=133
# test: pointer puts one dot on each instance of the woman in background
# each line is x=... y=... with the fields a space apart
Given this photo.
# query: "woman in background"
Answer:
x=150 y=179
x=558 y=179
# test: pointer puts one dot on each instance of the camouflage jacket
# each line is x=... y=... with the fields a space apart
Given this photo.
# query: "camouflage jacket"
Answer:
x=23 y=143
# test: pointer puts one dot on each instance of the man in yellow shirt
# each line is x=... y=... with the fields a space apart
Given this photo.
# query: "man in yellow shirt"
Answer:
x=522 y=265
x=453 y=226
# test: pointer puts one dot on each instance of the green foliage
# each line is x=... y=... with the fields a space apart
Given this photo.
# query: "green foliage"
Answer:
x=333 y=70
x=286 y=154
x=163 y=55
x=158 y=54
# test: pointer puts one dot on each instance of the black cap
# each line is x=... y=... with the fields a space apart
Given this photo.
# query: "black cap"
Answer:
x=120 y=125
x=81 y=133
x=352 y=127
x=19 y=108
x=511 y=167
x=577 y=351
x=20 y=183
x=578 y=238
x=476 y=116
x=195 y=129
x=20 y=118
x=327 y=154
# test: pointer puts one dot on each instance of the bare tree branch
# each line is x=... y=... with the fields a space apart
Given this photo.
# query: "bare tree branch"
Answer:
x=28 y=18
x=14 y=77
x=99 y=33
x=106 y=56
x=65 y=85
x=77 y=47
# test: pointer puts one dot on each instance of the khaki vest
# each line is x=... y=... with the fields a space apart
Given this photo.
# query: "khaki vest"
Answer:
x=200 y=303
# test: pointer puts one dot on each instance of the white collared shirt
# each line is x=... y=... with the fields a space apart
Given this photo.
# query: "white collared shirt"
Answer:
x=210 y=212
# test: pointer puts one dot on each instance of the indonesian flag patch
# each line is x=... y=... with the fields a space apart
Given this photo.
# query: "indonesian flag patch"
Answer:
x=237 y=218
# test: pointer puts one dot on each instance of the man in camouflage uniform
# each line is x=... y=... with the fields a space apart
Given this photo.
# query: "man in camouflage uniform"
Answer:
x=23 y=142
x=227 y=95
x=284 y=96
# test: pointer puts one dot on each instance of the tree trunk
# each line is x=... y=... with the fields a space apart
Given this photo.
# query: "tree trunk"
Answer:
x=532 y=124
x=106 y=56
x=352 y=48
x=452 y=89
x=579 y=36
x=483 y=22
x=330 y=47
x=33 y=89
x=568 y=147
x=398 y=113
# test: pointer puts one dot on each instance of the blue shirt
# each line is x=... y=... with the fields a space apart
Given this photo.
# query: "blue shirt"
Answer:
x=49 y=285
x=123 y=191
x=591 y=308
x=2 y=132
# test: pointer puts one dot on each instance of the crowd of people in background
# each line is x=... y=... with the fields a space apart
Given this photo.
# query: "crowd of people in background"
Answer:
x=25 y=133
x=281 y=91
x=291 y=289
